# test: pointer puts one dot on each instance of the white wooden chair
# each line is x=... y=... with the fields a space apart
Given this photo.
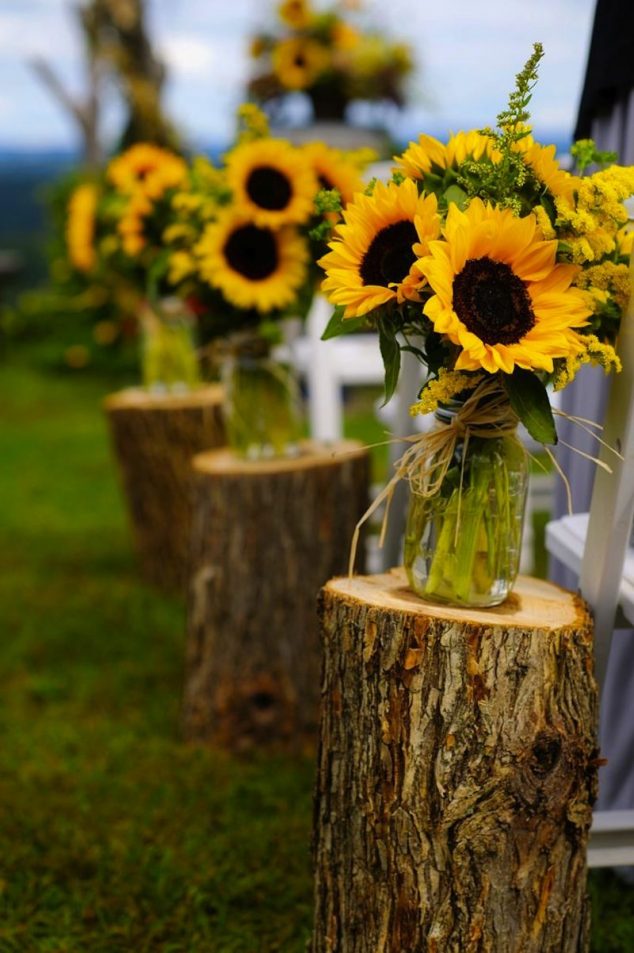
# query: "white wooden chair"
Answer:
x=329 y=366
x=595 y=545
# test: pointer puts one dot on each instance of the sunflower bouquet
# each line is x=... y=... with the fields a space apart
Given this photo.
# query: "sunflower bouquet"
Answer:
x=115 y=221
x=326 y=56
x=240 y=250
x=503 y=274
x=92 y=312
x=114 y=228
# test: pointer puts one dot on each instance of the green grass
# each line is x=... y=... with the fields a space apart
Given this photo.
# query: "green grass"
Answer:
x=114 y=835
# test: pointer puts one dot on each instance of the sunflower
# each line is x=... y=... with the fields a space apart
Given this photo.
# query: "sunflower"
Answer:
x=545 y=167
x=181 y=266
x=333 y=171
x=272 y=182
x=131 y=225
x=371 y=259
x=298 y=62
x=132 y=238
x=80 y=227
x=499 y=293
x=470 y=145
x=146 y=168
x=252 y=266
x=344 y=37
x=295 y=13
x=419 y=157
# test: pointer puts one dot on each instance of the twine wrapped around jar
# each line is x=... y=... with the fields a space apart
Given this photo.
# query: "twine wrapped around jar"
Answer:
x=486 y=412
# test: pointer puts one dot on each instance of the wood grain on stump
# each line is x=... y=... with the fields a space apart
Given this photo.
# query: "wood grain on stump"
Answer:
x=457 y=769
x=266 y=537
x=154 y=438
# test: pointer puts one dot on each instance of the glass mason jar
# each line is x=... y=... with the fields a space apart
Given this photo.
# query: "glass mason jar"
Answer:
x=463 y=543
x=262 y=402
x=169 y=358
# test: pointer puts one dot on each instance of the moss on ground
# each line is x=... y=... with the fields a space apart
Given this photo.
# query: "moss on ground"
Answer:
x=114 y=836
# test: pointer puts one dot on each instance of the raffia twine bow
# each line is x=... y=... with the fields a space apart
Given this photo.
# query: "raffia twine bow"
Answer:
x=485 y=413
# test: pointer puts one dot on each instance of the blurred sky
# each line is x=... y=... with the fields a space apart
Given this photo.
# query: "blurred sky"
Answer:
x=468 y=50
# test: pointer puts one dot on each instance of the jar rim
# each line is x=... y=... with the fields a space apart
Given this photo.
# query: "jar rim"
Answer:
x=448 y=409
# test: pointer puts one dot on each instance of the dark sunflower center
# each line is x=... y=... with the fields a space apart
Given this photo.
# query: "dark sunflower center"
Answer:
x=492 y=302
x=269 y=188
x=389 y=256
x=300 y=60
x=252 y=252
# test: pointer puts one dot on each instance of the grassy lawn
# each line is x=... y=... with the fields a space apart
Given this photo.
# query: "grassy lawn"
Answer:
x=114 y=836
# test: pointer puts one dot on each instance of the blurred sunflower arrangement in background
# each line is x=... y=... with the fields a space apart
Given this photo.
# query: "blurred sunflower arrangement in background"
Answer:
x=328 y=56
x=80 y=226
x=92 y=306
x=137 y=201
x=236 y=243
x=245 y=236
x=114 y=222
x=107 y=235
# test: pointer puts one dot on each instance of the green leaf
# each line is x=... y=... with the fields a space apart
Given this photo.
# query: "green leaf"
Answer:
x=548 y=203
x=585 y=153
x=391 y=354
x=328 y=200
x=340 y=325
x=529 y=400
x=454 y=194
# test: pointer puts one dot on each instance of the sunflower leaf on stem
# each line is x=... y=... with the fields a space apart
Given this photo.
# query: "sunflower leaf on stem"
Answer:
x=529 y=400
x=391 y=354
x=340 y=325
x=454 y=194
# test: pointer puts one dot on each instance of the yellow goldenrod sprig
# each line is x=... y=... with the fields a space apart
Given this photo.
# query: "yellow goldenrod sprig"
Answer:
x=595 y=352
x=252 y=123
x=447 y=385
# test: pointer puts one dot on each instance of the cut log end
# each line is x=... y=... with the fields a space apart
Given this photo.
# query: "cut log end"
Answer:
x=533 y=603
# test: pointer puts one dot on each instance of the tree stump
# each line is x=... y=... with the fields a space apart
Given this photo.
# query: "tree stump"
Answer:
x=457 y=769
x=154 y=438
x=266 y=537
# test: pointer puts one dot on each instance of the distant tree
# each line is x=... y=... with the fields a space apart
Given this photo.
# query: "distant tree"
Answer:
x=139 y=71
x=117 y=46
x=84 y=108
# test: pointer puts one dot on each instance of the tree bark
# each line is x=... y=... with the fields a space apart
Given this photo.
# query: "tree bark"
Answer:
x=154 y=439
x=266 y=537
x=457 y=770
